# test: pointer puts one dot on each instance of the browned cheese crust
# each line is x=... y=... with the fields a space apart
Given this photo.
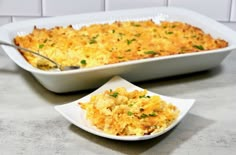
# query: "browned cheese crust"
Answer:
x=102 y=44
x=126 y=113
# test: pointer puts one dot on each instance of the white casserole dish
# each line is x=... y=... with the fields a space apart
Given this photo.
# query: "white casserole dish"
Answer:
x=133 y=71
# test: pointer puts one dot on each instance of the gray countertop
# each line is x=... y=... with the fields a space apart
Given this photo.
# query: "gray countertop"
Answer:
x=30 y=125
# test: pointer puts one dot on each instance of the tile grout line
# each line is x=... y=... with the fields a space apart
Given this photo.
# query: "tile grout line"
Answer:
x=105 y=5
x=230 y=10
x=42 y=8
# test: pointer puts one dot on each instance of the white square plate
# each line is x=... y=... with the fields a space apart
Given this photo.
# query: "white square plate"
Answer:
x=76 y=115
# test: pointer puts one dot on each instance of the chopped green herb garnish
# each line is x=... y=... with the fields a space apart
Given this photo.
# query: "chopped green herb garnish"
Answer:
x=128 y=50
x=115 y=94
x=173 y=26
x=141 y=109
x=130 y=105
x=144 y=96
x=200 y=47
x=121 y=34
x=111 y=50
x=169 y=32
x=129 y=113
x=120 y=57
x=83 y=62
x=130 y=41
x=144 y=116
x=93 y=39
x=41 y=46
x=153 y=114
x=113 y=31
x=150 y=52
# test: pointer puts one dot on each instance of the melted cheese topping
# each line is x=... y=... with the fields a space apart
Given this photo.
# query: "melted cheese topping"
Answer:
x=124 y=113
x=102 y=44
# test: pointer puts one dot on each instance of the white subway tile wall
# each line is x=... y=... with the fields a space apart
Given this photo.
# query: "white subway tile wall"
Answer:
x=20 y=7
x=128 y=4
x=64 y=7
x=17 y=10
x=217 y=9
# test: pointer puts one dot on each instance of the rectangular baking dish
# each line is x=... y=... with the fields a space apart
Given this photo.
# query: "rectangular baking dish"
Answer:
x=137 y=70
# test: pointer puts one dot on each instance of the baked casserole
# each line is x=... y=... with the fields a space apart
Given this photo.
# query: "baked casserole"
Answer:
x=120 y=41
x=126 y=113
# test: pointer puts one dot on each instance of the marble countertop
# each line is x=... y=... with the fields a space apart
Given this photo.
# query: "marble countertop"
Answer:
x=29 y=123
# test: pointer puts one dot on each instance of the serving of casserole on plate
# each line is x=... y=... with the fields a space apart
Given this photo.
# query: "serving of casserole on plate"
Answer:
x=138 y=44
x=129 y=121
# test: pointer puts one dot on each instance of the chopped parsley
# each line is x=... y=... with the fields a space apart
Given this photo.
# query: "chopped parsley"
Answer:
x=129 y=113
x=143 y=116
x=115 y=94
x=150 y=52
x=120 y=57
x=83 y=62
x=169 y=32
x=41 y=46
x=200 y=47
x=141 y=109
x=148 y=115
x=121 y=34
x=93 y=39
x=130 y=105
x=152 y=114
x=144 y=96
x=130 y=41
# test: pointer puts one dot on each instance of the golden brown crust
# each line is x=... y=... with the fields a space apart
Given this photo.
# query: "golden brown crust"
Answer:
x=101 y=44
x=123 y=113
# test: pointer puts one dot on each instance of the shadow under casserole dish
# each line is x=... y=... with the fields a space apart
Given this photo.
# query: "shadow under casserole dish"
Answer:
x=102 y=44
